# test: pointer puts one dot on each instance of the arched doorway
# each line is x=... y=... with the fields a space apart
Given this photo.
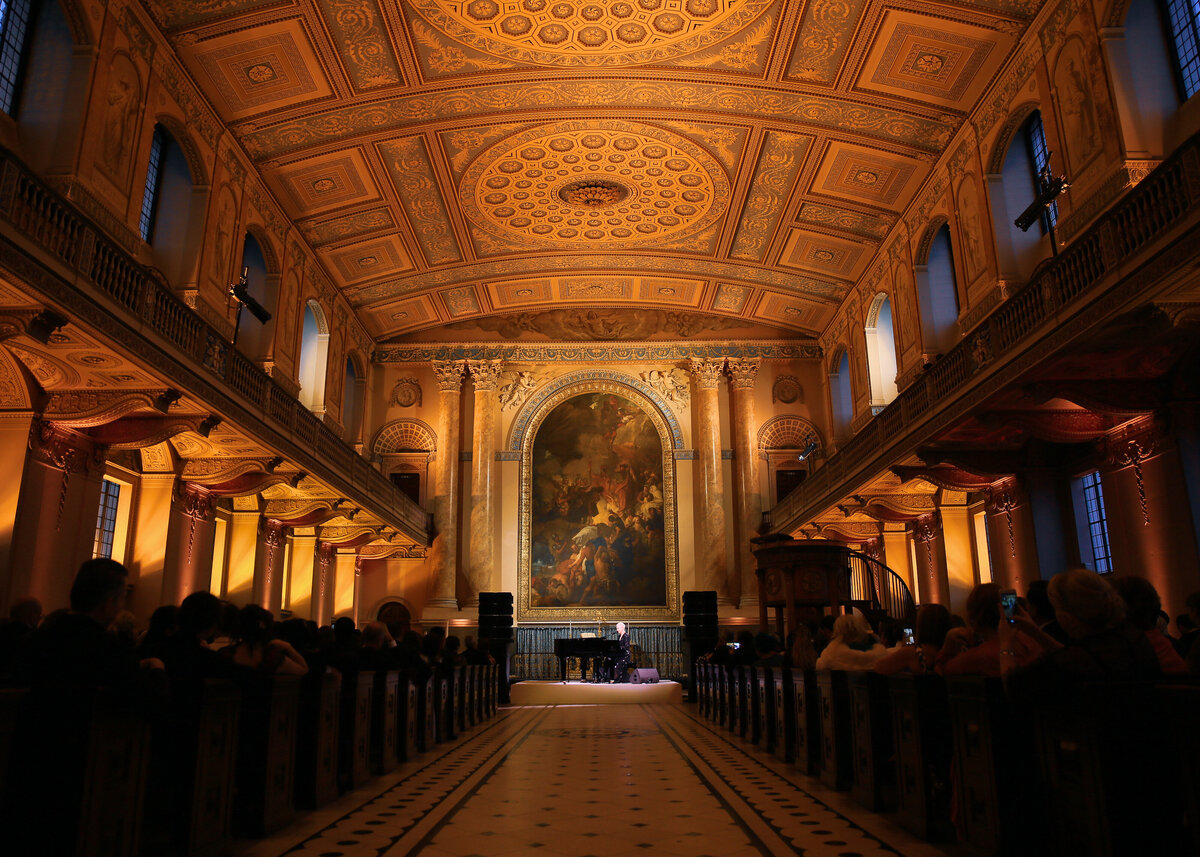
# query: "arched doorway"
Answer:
x=397 y=618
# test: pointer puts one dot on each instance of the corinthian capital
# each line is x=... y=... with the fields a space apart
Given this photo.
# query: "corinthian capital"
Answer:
x=449 y=374
x=706 y=371
x=743 y=372
x=485 y=373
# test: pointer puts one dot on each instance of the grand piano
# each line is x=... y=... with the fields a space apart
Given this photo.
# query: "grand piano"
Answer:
x=587 y=649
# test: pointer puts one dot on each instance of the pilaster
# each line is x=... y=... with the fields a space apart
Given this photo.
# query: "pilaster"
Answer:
x=712 y=565
x=486 y=377
x=747 y=497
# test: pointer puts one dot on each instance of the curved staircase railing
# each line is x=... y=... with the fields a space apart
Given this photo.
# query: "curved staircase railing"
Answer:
x=877 y=590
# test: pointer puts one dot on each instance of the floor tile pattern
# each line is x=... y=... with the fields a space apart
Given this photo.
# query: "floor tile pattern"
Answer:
x=580 y=780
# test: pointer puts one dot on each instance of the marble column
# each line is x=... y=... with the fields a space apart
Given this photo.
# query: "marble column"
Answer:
x=14 y=448
x=345 y=581
x=1012 y=548
x=446 y=501
x=323 y=558
x=188 y=557
x=244 y=527
x=481 y=568
x=268 y=564
x=747 y=494
x=300 y=599
x=153 y=519
x=56 y=513
x=1148 y=512
x=932 y=583
x=712 y=570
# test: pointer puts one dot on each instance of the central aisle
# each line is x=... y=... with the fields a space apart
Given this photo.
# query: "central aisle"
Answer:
x=571 y=781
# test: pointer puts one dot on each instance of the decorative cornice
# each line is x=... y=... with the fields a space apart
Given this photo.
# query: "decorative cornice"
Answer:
x=593 y=353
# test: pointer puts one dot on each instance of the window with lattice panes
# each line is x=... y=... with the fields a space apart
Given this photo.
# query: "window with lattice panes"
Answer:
x=106 y=519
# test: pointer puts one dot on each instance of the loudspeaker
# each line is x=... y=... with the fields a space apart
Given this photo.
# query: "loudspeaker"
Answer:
x=700 y=614
x=495 y=615
x=647 y=675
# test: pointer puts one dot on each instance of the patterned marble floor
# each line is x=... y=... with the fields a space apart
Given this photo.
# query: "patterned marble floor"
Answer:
x=572 y=781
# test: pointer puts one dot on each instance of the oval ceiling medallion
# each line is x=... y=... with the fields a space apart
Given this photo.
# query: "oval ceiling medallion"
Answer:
x=586 y=184
x=594 y=33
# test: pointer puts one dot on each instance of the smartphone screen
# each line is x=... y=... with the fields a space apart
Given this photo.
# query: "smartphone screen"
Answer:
x=1008 y=600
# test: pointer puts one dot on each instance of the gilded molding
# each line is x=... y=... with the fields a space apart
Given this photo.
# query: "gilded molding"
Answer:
x=592 y=353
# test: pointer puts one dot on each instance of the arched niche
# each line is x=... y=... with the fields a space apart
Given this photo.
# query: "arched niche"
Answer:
x=403 y=450
x=841 y=394
x=881 y=351
x=314 y=357
x=354 y=393
x=597 y=512
x=782 y=440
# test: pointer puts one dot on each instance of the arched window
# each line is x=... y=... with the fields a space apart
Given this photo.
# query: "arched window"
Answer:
x=937 y=295
x=172 y=215
x=1011 y=192
x=314 y=356
x=16 y=26
x=881 y=351
x=254 y=334
x=1039 y=166
x=352 y=400
x=1184 y=20
x=841 y=396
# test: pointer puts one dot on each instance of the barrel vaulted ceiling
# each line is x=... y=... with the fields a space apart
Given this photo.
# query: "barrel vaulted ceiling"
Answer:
x=480 y=165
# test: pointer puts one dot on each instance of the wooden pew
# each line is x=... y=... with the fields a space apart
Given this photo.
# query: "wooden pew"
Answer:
x=996 y=779
x=385 y=719
x=784 y=715
x=189 y=797
x=444 y=690
x=354 y=728
x=462 y=697
x=427 y=714
x=751 y=721
x=765 y=691
x=317 y=739
x=806 y=712
x=837 y=761
x=921 y=720
x=733 y=696
x=871 y=740
x=1110 y=766
x=407 y=711
x=266 y=756
x=1182 y=704
x=703 y=689
x=10 y=707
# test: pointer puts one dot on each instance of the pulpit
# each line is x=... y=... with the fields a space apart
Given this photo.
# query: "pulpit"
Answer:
x=797 y=575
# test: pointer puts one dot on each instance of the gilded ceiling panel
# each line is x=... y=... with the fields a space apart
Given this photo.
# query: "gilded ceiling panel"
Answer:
x=267 y=68
x=595 y=34
x=789 y=310
x=594 y=183
x=361 y=39
x=417 y=189
x=369 y=260
x=778 y=165
x=837 y=217
x=461 y=301
x=179 y=14
x=826 y=32
x=824 y=254
x=726 y=143
x=947 y=63
x=335 y=180
x=868 y=175
x=348 y=226
x=731 y=298
x=744 y=53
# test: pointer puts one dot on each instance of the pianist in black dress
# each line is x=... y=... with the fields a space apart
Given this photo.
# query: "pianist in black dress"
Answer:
x=621 y=663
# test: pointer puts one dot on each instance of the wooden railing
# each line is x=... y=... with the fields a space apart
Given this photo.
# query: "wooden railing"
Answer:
x=88 y=262
x=1166 y=199
x=872 y=583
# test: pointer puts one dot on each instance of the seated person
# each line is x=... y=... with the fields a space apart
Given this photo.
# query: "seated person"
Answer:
x=975 y=648
x=852 y=646
x=933 y=623
x=254 y=648
x=1142 y=606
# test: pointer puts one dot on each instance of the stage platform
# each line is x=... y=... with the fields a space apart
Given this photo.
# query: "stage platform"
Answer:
x=586 y=693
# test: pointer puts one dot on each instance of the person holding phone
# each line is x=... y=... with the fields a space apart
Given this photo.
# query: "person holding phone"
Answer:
x=975 y=650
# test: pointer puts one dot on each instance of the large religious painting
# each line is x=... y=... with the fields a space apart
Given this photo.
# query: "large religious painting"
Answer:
x=598 y=508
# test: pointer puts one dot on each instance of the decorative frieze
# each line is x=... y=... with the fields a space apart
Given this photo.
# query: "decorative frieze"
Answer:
x=667 y=352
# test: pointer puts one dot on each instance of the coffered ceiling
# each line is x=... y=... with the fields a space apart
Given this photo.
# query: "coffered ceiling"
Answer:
x=455 y=160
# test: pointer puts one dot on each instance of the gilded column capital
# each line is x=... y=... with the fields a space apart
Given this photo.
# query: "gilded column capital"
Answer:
x=449 y=374
x=485 y=373
x=64 y=449
x=706 y=371
x=743 y=372
x=195 y=501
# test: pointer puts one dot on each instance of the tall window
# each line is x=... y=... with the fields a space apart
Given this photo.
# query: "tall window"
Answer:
x=1091 y=522
x=15 y=18
x=153 y=183
x=106 y=519
x=1039 y=159
x=1184 y=16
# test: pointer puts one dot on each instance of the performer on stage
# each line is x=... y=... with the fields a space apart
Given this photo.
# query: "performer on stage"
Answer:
x=621 y=664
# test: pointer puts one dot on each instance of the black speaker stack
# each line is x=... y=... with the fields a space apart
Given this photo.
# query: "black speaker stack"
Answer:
x=699 y=630
x=495 y=615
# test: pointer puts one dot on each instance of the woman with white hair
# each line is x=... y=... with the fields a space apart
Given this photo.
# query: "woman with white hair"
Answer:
x=852 y=647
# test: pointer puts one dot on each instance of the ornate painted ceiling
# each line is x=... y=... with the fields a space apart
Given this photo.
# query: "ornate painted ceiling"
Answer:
x=454 y=160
